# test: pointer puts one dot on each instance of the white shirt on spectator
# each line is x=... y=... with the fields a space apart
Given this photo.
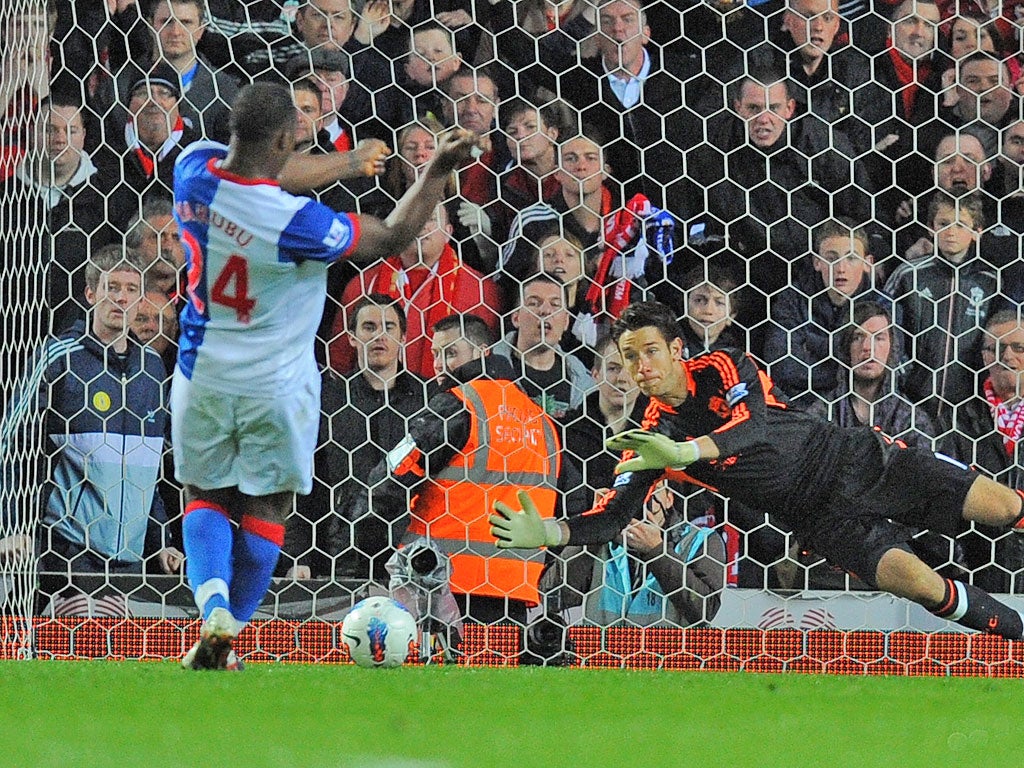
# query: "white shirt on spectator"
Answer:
x=629 y=90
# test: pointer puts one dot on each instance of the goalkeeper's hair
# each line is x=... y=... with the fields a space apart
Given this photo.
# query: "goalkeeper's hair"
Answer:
x=261 y=111
x=647 y=314
x=111 y=258
x=473 y=328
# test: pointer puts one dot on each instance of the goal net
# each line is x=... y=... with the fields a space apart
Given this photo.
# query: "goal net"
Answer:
x=832 y=188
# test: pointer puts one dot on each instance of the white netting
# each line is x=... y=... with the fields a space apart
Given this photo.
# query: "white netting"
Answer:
x=837 y=193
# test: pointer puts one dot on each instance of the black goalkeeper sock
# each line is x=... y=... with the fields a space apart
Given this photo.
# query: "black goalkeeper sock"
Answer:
x=976 y=609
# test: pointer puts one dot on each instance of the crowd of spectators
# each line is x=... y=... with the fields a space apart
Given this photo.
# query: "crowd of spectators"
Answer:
x=835 y=188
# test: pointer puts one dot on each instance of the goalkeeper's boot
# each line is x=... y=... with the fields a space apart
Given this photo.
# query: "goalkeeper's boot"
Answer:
x=213 y=650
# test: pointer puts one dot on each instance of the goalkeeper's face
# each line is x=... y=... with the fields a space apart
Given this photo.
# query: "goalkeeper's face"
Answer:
x=654 y=363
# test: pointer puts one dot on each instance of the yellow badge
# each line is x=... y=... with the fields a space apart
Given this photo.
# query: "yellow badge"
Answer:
x=101 y=401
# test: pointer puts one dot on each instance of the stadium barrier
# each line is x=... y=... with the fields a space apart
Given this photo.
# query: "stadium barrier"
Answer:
x=865 y=652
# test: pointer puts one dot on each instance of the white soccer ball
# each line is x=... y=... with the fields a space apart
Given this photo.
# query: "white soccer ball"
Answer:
x=379 y=632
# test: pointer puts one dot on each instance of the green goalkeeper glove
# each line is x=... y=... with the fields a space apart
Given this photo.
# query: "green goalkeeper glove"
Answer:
x=525 y=528
x=653 y=451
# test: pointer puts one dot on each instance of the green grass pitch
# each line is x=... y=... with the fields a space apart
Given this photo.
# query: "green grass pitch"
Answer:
x=127 y=714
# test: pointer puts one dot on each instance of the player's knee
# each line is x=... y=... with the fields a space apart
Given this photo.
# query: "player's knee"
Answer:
x=992 y=503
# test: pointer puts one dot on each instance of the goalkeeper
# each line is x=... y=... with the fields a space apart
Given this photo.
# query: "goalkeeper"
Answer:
x=851 y=494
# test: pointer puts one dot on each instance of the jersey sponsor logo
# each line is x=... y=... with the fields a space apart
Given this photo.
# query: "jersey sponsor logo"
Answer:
x=101 y=401
x=736 y=393
x=622 y=479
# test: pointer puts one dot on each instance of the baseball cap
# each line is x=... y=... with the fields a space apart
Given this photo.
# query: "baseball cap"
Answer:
x=161 y=74
x=302 y=64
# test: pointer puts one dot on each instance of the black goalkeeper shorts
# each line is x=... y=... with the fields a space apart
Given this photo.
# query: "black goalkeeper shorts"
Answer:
x=884 y=494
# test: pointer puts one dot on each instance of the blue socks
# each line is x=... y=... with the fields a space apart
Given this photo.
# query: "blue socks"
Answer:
x=206 y=531
x=257 y=546
x=229 y=569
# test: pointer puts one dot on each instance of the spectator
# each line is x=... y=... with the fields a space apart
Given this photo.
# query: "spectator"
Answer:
x=25 y=81
x=1004 y=14
x=578 y=208
x=472 y=102
x=561 y=257
x=830 y=74
x=329 y=71
x=953 y=283
x=479 y=440
x=663 y=572
x=868 y=394
x=1008 y=186
x=538 y=39
x=309 y=112
x=556 y=381
x=782 y=177
x=105 y=421
x=431 y=281
x=807 y=317
x=406 y=15
x=176 y=27
x=363 y=415
x=416 y=145
x=711 y=304
x=532 y=175
x=428 y=66
x=154 y=238
x=627 y=77
x=1010 y=182
x=612 y=406
x=152 y=140
x=907 y=78
x=330 y=25
x=56 y=187
x=962 y=167
x=156 y=326
x=987 y=437
x=983 y=97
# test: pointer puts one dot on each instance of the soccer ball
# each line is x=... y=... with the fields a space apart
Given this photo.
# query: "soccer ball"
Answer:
x=379 y=632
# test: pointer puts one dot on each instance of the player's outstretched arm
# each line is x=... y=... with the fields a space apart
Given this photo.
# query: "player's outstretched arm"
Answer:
x=525 y=528
x=656 y=451
x=380 y=239
x=304 y=172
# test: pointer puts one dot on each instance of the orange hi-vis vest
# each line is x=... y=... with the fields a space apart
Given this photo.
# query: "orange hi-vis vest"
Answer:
x=513 y=445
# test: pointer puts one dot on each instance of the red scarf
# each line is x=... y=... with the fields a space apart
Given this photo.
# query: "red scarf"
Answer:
x=905 y=75
x=619 y=232
x=1009 y=420
x=433 y=297
x=343 y=143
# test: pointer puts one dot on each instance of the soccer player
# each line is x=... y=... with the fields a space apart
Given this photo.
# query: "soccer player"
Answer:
x=246 y=391
x=851 y=494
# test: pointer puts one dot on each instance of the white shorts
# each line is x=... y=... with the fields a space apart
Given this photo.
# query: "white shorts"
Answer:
x=259 y=445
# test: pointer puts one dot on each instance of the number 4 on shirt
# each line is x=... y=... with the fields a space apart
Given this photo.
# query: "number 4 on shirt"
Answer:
x=231 y=288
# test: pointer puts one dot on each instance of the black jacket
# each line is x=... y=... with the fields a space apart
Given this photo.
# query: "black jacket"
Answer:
x=358 y=425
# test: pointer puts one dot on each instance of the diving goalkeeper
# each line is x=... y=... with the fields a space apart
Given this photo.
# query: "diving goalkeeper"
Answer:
x=851 y=494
